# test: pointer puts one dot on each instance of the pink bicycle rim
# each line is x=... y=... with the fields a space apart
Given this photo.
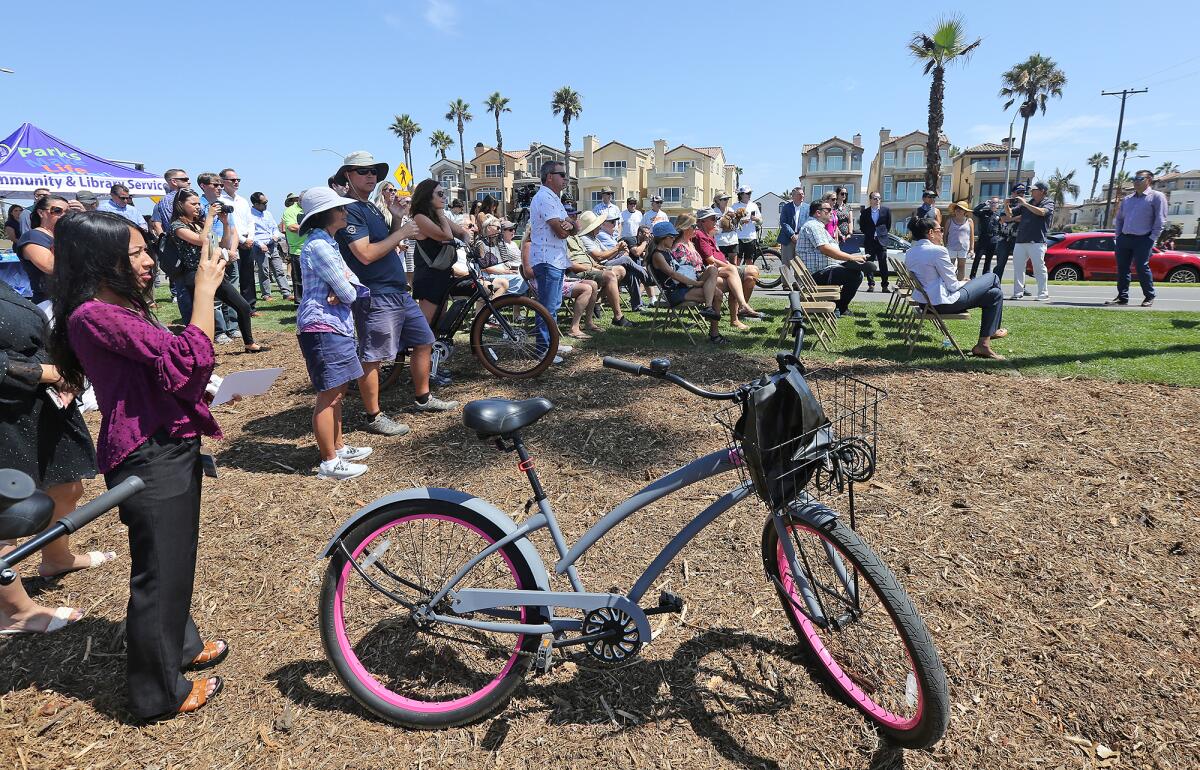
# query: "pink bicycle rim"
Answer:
x=843 y=679
x=361 y=673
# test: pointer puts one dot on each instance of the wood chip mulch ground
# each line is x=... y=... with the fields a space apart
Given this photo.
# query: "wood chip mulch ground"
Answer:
x=1046 y=529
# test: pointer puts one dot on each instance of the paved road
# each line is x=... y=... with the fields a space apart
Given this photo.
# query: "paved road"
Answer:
x=1169 y=298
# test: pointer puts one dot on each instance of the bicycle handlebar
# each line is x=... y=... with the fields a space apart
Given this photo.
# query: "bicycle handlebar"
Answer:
x=658 y=369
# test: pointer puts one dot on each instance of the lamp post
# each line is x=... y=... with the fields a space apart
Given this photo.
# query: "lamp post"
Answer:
x=7 y=71
x=326 y=149
x=1008 y=159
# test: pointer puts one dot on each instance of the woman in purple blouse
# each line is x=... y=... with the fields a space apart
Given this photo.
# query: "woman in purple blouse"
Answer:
x=150 y=385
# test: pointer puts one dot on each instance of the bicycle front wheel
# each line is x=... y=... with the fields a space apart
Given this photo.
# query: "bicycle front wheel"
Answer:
x=506 y=342
x=422 y=674
x=771 y=260
x=873 y=648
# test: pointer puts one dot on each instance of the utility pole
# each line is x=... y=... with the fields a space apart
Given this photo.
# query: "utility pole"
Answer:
x=1112 y=174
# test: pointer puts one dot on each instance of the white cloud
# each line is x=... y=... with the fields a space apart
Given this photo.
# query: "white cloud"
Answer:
x=442 y=15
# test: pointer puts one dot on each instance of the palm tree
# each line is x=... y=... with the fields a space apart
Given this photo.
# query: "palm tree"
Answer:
x=460 y=114
x=1126 y=147
x=947 y=43
x=497 y=104
x=1098 y=161
x=566 y=102
x=737 y=175
x=1166 y=167
x=1061 y=185
x=405 y=128
x=441 y=141
x=1032 y=82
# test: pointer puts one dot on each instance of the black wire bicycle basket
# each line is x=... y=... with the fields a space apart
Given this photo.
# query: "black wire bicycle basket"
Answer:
x=804 y=433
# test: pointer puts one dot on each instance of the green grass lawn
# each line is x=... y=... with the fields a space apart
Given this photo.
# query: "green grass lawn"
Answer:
x=1159 y=347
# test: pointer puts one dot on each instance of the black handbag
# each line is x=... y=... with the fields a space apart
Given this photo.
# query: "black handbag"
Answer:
x=443 y=260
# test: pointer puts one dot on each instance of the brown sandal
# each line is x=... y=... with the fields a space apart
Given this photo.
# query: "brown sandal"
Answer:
x=212 y=654
x=195 y=699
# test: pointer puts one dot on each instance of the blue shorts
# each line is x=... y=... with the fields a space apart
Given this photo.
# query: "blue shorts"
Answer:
x=391 y=323
x=331 y=358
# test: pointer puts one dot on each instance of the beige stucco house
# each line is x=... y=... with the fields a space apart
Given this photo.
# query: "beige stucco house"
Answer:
x=898 y=172
x=830 y=164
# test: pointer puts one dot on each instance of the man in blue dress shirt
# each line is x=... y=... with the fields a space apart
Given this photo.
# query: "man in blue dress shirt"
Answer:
x=1139 y=222
x=120 y=202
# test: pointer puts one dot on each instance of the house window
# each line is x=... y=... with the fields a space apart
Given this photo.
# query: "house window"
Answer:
x=491 y=169
x=671 y=194
x=889 y=159
x=856 y=162
x=450 y=180
x=481 y=194
x=596 y=198
x=1191 y=184
x=835 y=160
x=989 y=164
x=813 y=162
x=679 y=166
x=615 y=165
x=781 y=205
x=887 y=188
x=991 y=190
x=945 y=187
x=914 y=157
x=1189 y=207
x=944 y=155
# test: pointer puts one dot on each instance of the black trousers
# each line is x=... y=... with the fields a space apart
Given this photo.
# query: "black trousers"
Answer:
x=1004 y=250
x=294 y=259
x=983 y=292
x=849 y=278
x=228 y=294
x=247 y=272
x=164 y=526
x=877 y=252
x=985 y=249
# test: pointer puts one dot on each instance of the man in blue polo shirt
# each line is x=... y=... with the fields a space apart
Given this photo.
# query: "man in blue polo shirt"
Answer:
x=391 y=321
x=120 y=202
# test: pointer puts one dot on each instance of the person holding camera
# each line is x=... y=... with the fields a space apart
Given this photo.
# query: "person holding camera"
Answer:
x=1033 y=223
x=392 y=322
x=187 y=232
x=151 y=387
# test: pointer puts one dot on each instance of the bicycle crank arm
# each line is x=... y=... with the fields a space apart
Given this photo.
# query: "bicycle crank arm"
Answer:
x=475 y=599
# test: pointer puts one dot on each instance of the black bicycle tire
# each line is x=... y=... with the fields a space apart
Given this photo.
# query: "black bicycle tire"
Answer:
x=906 y=622
x=423 y=720
x=534 y=306
x=763 y=284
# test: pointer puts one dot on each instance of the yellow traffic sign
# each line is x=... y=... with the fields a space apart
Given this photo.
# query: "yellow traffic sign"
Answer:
x=403 y=176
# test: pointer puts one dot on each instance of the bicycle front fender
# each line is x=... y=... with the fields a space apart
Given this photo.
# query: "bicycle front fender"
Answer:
x=480 y=506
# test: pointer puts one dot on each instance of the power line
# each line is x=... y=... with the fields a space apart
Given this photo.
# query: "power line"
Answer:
x=1170 y=67
x=1173 y=79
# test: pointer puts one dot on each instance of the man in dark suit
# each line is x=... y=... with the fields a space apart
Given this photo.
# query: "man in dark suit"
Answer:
x=875 y=222
x=793 y=214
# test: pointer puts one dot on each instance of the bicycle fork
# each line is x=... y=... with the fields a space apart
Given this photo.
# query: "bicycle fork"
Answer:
x=799 y=565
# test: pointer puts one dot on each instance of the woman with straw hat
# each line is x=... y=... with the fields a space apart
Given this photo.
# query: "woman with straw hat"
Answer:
x=960 y=236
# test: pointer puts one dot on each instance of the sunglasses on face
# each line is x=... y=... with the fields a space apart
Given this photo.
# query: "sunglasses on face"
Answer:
x=180 y=179
x=231 y=181
x=441 y=194
x=563 y=174
x=1140 y=178
x=825 y=209
x=57 y=211
x=125 y=197
x=365 y=172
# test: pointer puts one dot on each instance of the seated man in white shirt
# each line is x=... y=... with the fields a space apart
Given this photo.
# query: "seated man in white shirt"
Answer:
x=935 y=273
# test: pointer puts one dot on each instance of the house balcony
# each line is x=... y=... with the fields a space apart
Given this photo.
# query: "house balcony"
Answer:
x=823 y=171
x=986 y=168
x=687 y=178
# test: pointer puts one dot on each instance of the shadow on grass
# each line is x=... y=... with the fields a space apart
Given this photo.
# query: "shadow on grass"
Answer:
x=634 y=688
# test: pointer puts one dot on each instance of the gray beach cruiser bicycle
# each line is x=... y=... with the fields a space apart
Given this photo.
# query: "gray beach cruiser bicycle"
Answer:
x=435 y=603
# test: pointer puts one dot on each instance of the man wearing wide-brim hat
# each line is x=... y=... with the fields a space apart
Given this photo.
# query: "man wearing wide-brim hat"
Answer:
x=392 y=321
x=582 y=248
x=606 y=208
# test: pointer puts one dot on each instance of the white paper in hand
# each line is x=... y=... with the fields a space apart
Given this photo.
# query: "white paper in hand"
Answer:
x=252 y=382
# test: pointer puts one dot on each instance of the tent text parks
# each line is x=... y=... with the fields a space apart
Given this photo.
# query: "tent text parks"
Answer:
x=30 y=158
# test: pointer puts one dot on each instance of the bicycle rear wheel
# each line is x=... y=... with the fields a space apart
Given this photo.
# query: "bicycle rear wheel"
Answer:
x=878 y=654
x=771 y=260
x=423 y=675
x=506 y=342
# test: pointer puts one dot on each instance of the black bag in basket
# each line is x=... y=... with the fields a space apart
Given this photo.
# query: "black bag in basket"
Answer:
x=784 y=434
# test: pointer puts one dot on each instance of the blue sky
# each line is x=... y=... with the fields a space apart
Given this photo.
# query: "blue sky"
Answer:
x=257 y=86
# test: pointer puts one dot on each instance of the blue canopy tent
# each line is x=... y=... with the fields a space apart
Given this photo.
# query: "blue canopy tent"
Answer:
x=30 y=158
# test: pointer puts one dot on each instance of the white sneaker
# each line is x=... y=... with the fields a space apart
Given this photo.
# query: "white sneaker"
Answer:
x=338 y=469
x=1043 y=296
x=557 y=360
x=566 y=349
x=1014 y=298
x=354 y=452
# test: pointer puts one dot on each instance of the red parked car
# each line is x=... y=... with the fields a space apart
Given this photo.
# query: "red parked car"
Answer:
x=1092 y=256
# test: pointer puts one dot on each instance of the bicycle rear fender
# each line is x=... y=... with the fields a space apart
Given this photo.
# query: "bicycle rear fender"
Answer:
x=480 y=506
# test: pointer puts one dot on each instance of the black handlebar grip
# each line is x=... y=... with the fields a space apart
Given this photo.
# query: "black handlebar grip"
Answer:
x=622 y=365
x=88 y=512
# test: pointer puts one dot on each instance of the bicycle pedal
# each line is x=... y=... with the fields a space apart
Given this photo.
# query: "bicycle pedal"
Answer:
x=544 y=657
x=667 y=602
